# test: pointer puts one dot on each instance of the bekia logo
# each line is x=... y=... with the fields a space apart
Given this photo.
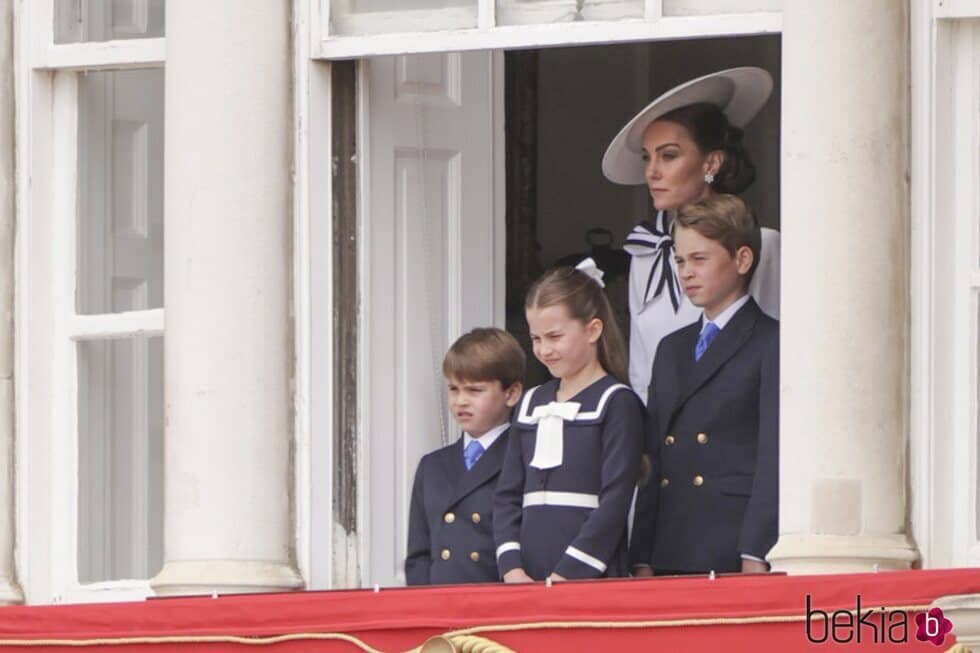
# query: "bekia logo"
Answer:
x=873 y=625
x=932 y=626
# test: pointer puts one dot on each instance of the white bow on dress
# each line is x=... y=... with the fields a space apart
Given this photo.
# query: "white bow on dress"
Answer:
x=549 y=445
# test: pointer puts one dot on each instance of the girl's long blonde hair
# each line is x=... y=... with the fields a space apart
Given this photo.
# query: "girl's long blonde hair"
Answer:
x=585 y=300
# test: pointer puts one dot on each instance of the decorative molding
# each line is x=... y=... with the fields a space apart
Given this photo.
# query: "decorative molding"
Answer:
x=841 y=554
x=433 y=79
x=964 y=611
x=187 y=577
x=544 y=35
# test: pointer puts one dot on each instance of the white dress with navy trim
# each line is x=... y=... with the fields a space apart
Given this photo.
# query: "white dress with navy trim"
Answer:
x=570 y=517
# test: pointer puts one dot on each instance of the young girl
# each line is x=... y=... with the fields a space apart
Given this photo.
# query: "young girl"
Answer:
x=574 y=455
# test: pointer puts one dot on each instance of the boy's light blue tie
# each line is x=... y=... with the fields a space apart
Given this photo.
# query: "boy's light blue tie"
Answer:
x=472 y=453
x=704 y=340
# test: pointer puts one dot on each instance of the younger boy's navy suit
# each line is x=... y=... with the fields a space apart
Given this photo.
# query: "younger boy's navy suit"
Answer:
x=713 y=439
x=450 y=528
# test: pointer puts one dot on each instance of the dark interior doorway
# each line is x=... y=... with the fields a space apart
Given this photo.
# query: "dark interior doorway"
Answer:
x=563 y=106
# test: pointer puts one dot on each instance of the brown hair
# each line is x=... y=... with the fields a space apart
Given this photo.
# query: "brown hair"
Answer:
x=725 y=219
x=710 y=130
x=585 y=300
x=485 y=354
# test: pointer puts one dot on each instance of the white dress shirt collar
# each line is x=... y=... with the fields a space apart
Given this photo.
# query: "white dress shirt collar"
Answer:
x=726 y=315
x=488 y=438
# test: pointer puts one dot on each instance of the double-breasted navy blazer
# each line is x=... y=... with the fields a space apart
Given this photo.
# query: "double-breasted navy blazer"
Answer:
x=713 y=440
x=450 y=522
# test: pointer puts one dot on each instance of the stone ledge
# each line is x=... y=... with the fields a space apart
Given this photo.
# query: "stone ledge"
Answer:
x=10 y=594
x=841 y=554
x=225 y=577
x=964 y=611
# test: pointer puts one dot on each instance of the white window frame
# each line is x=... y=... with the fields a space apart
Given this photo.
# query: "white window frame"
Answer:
x=944 y=282
x=966 y=286
x=326 y=559
x=47 y=323
x=313 y=311
x=487 y=35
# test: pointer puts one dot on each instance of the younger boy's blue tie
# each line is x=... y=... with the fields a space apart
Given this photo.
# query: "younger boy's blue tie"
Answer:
x=472 y=453
x=707 y=335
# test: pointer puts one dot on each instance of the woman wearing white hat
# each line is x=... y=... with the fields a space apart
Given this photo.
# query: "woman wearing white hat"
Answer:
x=686 y=144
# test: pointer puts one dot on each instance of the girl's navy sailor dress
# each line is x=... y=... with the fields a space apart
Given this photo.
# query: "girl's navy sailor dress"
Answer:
x=563 y=508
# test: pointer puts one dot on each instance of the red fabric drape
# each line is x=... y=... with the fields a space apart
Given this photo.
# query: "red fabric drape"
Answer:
x=402 y=619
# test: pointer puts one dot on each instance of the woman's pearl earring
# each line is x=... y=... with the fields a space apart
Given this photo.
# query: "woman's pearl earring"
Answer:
x=709 y=178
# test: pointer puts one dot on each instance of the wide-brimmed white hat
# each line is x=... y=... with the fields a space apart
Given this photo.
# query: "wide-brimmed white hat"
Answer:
x=739 y=92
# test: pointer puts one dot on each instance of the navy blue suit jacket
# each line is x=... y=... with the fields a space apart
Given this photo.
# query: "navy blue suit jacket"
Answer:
x=713 y=440
x=450 y=523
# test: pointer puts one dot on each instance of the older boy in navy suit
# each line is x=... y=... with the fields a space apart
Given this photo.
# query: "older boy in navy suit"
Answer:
x=713 y=432
x=450 y=530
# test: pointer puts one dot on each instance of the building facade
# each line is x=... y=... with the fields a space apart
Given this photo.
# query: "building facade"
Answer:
x=236 y=237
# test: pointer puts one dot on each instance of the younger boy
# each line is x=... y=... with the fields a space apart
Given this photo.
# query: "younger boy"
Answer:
x=713 y=432
x=450 y=529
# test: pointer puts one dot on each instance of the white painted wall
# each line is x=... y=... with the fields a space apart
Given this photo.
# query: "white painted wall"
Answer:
x=8 y=588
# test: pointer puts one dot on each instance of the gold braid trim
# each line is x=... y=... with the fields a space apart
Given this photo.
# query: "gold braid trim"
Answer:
x=461 y=634
x=662 y=623
x=192 y=639
x=958 y=648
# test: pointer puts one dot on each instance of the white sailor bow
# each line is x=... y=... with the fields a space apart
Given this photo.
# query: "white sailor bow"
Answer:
x=549 y=444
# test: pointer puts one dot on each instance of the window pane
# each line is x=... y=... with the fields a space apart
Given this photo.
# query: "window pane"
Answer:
x=612 y=9
x=367 y=6
x=708 y=7
x=120 y=191
x=390 y=16
x=120 y=457
x=107 y=20
x=520 y=12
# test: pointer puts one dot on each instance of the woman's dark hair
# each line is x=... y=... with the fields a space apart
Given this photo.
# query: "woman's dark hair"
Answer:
x=710 y=129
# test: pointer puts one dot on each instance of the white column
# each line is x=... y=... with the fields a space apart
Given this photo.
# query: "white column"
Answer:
x=845 y=305
x=228 y=347
x=9 y=592
x=964 y=611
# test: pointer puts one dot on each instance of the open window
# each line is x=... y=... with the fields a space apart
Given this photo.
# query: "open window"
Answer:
x=478 y=170
x=91 y=226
